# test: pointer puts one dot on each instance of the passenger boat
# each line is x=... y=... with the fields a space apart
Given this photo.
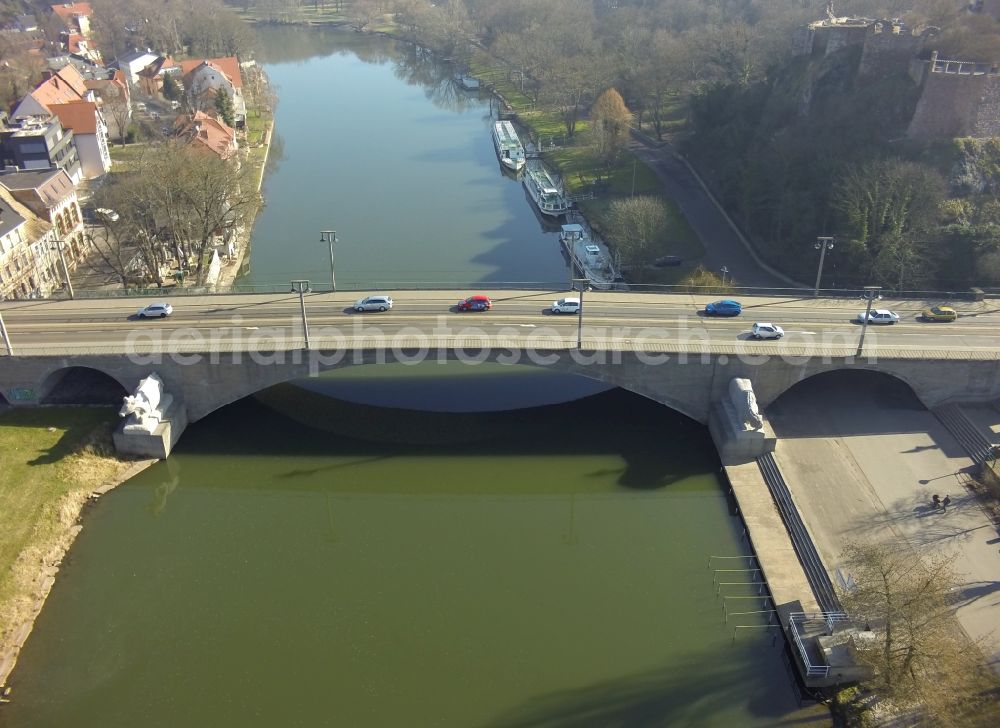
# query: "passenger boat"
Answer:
x=545 y=191
x=508 y=146
x=592 y=259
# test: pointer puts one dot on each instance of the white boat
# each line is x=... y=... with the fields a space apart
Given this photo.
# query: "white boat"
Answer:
x=509 y=148
x=545 y=191
x=592 y=259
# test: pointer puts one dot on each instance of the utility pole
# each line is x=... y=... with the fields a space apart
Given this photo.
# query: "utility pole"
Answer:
x=822 y=245
x=302 y=288
x=580 y=284
x=62 y=256
x=330 y=236
x=870 y=293
x=6 y=336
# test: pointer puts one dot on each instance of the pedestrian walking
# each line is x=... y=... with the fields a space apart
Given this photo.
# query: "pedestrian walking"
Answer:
x=945 y=502
x=935 y=501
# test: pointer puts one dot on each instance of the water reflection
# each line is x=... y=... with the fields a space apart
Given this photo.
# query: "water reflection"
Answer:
x=400 y=161
x=418 y=67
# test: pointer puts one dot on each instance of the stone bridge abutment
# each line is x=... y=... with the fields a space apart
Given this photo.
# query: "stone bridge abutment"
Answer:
x=688 y=383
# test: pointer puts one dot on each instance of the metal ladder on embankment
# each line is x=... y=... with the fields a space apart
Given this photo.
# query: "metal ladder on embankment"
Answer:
x=972 y=440
x=804 y=548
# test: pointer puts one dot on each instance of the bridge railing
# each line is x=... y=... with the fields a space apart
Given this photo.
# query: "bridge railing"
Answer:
x=398 y=285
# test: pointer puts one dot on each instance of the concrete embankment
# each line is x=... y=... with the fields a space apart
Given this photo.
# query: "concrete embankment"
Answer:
x=771 y=542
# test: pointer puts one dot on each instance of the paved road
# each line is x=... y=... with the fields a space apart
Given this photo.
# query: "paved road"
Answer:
x=723 y=246
x=863 y=467
x=653 y=321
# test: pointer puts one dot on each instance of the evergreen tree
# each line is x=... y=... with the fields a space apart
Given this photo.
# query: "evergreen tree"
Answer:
x=224 y=105
x=171 y=91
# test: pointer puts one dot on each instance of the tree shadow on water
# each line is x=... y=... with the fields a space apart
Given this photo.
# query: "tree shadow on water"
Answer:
x=691 y=692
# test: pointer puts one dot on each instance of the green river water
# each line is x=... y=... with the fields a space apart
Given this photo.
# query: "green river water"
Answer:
x=368 y=549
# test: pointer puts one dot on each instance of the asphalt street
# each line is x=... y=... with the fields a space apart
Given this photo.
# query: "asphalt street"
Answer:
x=672 y=321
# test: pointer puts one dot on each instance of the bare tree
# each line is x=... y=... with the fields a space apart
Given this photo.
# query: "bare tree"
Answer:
x=635 y=225
x=185 y=200
x=610 y=120
x=917 y=651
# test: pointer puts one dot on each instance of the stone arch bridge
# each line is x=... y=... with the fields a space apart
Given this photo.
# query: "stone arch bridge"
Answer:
x=687 y=382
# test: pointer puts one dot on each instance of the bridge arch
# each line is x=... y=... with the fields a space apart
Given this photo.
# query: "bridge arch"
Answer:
x=81 y=385
x=845 y=375
x=267 y=376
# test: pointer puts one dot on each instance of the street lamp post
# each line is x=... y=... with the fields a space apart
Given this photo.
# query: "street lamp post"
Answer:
x=870 y=293
x=62 y=257
x=6 y=337
x=822 y=245
x=302 y=288
x=330 y=236
x=580 y=284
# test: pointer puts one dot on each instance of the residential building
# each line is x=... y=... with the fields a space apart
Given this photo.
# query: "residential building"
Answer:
x=203 y=79
x=207 y=133
x=58 y=87
x=132 y=63
x=74 y=16
x=39 y=142
x=29 y=261
x=90 y=134
x=64 y=93
x=150 y=78
x=51 y=195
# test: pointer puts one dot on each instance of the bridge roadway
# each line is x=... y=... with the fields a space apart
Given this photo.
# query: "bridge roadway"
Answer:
x=637 y=321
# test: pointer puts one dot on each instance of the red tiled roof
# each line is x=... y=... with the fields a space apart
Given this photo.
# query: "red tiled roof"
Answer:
x=80 y=116
x=230 y=66
x=66 y=11
x=208 y=133
x=64 y=85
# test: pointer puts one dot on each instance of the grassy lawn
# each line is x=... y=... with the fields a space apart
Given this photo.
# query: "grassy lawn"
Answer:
x=124 y=159
x=51 y=460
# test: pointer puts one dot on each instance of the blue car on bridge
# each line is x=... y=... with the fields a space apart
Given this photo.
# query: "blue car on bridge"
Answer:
x=724 y=307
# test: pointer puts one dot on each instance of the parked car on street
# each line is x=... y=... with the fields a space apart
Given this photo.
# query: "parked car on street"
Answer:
x=879 y=316
x=373 y=303
x=939 y=313
x=566 y=305
x=724 y=307
x=762 y=330
x=155 y=310
x=478 y=302
x=668 y=261
x=103 y=213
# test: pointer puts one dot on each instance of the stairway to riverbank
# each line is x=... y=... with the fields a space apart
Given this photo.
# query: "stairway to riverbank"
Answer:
x=973 y=441
x=812 y=564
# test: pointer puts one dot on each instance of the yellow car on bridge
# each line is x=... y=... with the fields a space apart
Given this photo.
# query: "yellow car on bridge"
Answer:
x=939 y=313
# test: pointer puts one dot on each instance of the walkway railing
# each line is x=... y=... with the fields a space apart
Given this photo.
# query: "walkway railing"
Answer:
x=799 y=624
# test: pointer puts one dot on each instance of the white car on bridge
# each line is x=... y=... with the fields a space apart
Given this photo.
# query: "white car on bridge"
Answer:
x=566 y=305
x=879 y=316
x=762 y=330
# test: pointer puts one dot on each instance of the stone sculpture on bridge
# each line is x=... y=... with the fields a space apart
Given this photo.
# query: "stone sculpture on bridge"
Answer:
x=745 y=404
x=738 y=428
x=144 y=408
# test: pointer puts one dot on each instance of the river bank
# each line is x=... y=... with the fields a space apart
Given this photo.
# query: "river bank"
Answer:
x=55 y=461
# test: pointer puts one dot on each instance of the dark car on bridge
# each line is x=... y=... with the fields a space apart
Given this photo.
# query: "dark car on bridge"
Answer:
x=475 y=303
x=724 y=307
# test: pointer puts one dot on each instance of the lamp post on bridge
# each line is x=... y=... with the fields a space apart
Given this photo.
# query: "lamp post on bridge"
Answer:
x=60 y=245
x=822 y=245
x=5 y=336
x=870 y=293
x=581 y=285
x=302 y=288
x=330 y=236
